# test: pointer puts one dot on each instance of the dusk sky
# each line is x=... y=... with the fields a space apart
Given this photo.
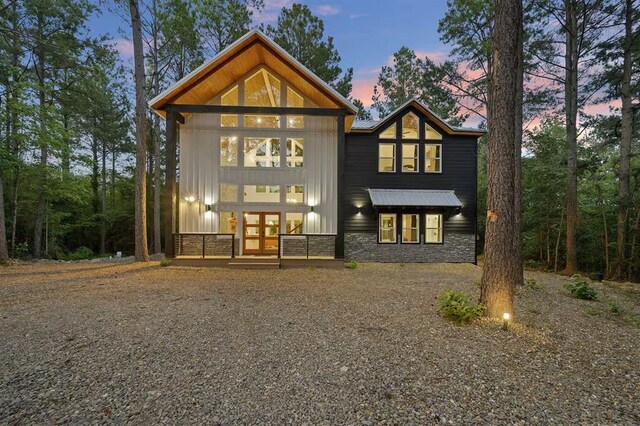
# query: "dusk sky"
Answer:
x=366 y=33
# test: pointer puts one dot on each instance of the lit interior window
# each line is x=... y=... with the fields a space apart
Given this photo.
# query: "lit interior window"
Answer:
x=387 y=233
x=261 y=194
x=228 y=222
x=228 y=193
x=387 y=157
x=409 y=157
x=295 y=194
x=410 y=126
x=433 y=158
x=294 y=223
x=410 y=227
x=389 y=132
x=294 y=100
x=262 y=121
x=261 y=152
x=229 y=99
x=295 y=152
x=431 y=134
x=262 y=90
x=433 y=228
x=229 y=151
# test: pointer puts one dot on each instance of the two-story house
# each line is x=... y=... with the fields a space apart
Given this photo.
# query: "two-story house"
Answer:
x=273 y=163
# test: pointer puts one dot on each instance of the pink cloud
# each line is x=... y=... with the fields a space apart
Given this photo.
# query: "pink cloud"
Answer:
x=603 y=109
x=363 y=89
x=124 y=47
x=437 y=56
x=327 y=9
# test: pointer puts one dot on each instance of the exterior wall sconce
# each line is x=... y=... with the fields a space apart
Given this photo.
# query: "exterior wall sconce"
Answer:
x=191 y=198
x=311 y=209
x=208 y=208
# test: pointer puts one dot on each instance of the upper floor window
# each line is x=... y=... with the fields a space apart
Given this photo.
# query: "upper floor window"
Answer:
x=228 y=193
x=431 y=134
x=261 y=152
x=410 y=158
x=295 y=194
x=295 y=152
x=261 y=194
x=410 y=126
x=389 y=132
x=229 y=99
x=229 y=151
x=294 y=100
x=387 y=157
x=433 y=158
x=262 y=90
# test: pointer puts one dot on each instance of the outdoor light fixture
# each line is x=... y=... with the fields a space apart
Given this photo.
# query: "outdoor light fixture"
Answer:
x=505 y=321
x=191 y=198
x=311 y=209
x=208 y=208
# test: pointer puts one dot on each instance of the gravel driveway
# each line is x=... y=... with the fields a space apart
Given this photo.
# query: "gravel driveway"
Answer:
x=136 y=343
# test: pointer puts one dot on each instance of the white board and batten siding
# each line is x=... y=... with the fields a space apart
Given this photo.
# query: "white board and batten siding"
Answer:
x=200 y=174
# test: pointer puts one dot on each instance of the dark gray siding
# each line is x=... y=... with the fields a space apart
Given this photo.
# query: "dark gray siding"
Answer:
x=459 y=171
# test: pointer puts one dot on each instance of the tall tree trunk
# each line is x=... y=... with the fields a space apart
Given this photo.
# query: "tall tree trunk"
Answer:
x=634 y=240
x=571 y=118
x=103 y=227
x=141 y=251
x=44 y=149
x=4 y=250
x=502 y=269
x=157 y=247
x=94 y=176
x=557 y=251
x=624 y=164
x=517 y=187
x=605 y=236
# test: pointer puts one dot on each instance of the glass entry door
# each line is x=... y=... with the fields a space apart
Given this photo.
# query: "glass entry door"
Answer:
x=261 y=232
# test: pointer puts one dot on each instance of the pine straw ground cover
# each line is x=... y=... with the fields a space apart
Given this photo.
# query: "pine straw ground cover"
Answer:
x=114 y=343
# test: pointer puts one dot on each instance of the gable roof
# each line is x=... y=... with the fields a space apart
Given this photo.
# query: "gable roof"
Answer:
x=367 y=126
x=413 y=198
x=245 y=54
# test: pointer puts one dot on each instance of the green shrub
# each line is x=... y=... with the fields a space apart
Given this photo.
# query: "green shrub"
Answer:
x=351 y=265
x=455 y=306
x=581 y=289
x=80 y=254
x=22 y=250
x=165 y=262
x=615 y=308
x=531 y=284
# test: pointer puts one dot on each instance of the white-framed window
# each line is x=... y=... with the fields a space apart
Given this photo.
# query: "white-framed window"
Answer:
x=387 y=228
x=294 y=223
x=228 y=222
x=431 y=134
x=389 y=132
x=228 y=193
x=261 y=194
x=387 y=157
x=229 y=151
x=411 y=228
x=410 y=158
x=261 y=152
x=294 y=100
x=229 y=99
x=433 y=158
x=410 y=126
x=295 y=194
x=295 y=152
x=433 y=228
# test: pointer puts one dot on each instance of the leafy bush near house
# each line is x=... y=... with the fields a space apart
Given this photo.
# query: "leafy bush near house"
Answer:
x=351 y=265
x=614 y=308
x=581 y=289
x=531 y=284
x=455 y=306
x=165 y=262
x=80 y=254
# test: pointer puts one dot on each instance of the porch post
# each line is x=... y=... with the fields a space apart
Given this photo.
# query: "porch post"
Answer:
x=341 y=156
x=169 y=198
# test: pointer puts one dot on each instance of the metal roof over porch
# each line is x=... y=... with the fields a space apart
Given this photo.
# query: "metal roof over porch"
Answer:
x=413 y=198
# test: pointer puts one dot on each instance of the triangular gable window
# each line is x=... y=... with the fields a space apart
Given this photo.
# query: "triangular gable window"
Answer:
x=431 y=134
x=389 y=132
x=410 y=126
x=262 y=90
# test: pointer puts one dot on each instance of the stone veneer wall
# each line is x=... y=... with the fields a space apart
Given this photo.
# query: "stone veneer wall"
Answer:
x=364 y=247
x=215 y=245
x=319 y=246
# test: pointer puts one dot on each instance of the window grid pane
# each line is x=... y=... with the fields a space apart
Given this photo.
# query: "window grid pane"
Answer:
x=433 y=158
x=409 y=158
x=433 y=228
x=410 y=126
x=261 y=152
x=228 y=193
x=295 y=152
x=229 y=151
x=295 y=194
x=387 y=157
x=387 y=233
x=389 y=132
x=410 y=228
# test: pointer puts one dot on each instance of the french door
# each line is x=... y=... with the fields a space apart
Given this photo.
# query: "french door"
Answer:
x=261 y=232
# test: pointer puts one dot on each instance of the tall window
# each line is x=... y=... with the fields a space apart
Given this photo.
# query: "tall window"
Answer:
x=389 y=132
x=228 y=193
x=294 y=101
x=433 y=228
x=262 y=90
x=228 y=222
x=410 y=227
x=387 y=157
x=229 y=151
x=261 y=152
x=229 y=99
x=410 y=126
x=387 y=224
x=410 y=157
x=261 y=194
x=431 y=134
x=295 y=194
x=295 y=152
x=294 y=223
x=433 y=158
